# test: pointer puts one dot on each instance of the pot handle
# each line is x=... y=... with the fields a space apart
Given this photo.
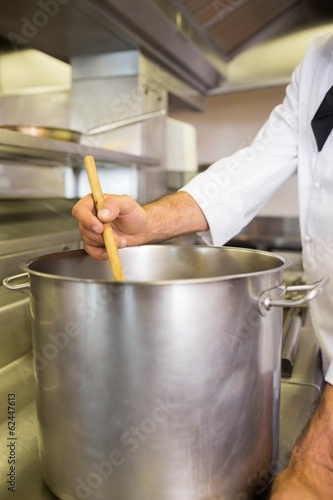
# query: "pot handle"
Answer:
x=269 y=298
x=10 y=282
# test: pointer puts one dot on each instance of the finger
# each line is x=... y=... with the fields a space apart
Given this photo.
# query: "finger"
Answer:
x=92 y=242
x=97 y=253
x=91 y=236
x=95 y=240
x=84 y=210
x=116 y=205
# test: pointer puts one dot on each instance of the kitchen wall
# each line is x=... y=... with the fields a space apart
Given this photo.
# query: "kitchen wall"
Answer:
x=231 y=121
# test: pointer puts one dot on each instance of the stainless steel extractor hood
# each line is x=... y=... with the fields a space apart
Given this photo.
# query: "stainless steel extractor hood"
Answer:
x=84 y=27
x=193 y=39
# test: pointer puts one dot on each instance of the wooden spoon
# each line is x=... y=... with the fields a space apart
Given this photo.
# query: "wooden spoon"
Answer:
x=109 y=240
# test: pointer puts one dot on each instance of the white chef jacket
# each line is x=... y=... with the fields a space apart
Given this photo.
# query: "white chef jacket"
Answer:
x=233 y=190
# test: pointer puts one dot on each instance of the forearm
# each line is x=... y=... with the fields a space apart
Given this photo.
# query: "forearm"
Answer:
x=173 y=215
x=309 y=474
x=133 y=224
x=316 y=443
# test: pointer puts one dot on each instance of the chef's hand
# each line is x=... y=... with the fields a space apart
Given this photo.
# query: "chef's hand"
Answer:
x=133 y=224
x=129 y=222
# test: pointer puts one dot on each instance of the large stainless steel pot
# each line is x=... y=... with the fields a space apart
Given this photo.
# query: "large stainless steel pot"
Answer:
x=165 y=386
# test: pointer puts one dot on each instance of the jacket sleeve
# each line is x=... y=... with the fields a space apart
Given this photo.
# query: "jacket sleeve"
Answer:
x=234 y=189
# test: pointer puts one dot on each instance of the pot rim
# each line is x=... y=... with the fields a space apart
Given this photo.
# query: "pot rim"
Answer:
x=284 y=261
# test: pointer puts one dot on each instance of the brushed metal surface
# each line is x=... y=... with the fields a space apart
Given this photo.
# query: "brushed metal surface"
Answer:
x=166 y=386
x=269 y=233
x=63 y=134
x=27 y=224
x=20 y=147
x=32 y=227
x=297 y=401
x=18 y=378
x=290 y=341
x=15 y=333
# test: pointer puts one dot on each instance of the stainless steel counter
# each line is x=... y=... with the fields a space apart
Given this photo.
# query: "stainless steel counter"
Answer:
x=17 y=379
x=17 y=384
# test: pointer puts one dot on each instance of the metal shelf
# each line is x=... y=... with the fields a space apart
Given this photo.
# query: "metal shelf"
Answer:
x=45 y=152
